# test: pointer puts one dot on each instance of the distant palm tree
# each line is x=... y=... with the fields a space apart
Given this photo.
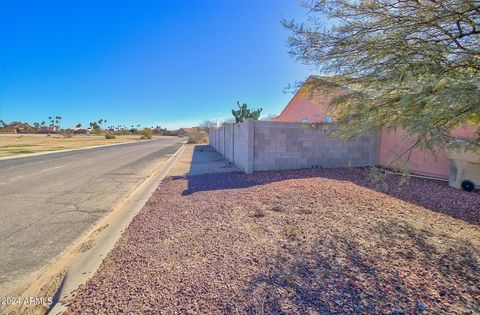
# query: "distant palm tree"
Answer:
x=57 y=121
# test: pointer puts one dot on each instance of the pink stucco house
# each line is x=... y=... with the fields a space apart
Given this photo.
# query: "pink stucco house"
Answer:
x=307 y=106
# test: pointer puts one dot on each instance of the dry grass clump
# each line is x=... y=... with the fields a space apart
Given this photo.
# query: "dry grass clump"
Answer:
x=146 y=134
x=198 y=137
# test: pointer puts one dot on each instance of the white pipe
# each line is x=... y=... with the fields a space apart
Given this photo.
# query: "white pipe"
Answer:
x=418 y=176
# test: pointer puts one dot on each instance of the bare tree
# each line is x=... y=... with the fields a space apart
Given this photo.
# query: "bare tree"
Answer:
x=207 y=125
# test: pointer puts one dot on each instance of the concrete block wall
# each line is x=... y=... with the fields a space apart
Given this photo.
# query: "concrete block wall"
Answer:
x=229 y=142
x=221 y=141
x=211 y=138
x=287 y=145
x=242 y=146
x=266 y=145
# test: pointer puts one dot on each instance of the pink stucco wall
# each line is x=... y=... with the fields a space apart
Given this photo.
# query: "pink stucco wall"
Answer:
x=307 y=106
x=421 y=162
x=315 y=108
x=393 y=143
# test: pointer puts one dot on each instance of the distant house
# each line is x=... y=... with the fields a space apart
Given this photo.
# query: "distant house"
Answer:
x=315 y=106
x=81 y=131
x=159 y=131
x=18 y=127
x=47 y=129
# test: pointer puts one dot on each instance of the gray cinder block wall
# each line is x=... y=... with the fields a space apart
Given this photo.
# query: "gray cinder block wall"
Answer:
x=267 y=145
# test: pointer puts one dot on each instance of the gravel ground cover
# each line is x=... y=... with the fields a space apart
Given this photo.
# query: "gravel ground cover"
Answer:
x=309 y=242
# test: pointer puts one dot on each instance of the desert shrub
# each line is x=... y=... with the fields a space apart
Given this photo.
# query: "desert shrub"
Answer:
x=109 y=136
x=197 y=137
x=67 y=134
x=146 y=133
x=378 y=177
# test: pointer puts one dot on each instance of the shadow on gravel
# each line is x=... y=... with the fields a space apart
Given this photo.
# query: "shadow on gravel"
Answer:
x=431 y=194
x=343 y=276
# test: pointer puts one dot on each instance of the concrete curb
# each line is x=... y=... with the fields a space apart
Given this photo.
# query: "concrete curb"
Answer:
x=87 y=264
x=80 y=263
x=19 y=156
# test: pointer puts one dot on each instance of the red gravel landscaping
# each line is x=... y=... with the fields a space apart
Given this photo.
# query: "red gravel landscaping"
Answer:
x=310 y=241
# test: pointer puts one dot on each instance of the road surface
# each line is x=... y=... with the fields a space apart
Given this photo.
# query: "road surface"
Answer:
x=48 y=201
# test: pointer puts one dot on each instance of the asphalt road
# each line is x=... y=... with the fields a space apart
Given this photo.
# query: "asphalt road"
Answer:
x=48 y=201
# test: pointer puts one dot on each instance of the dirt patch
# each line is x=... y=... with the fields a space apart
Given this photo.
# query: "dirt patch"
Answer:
x=85 y=246
x=316 y=241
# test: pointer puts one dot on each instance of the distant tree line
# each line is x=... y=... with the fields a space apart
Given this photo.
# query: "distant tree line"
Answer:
x=53 y=125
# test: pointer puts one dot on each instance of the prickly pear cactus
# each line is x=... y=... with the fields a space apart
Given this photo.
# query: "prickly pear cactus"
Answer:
x=243 y=113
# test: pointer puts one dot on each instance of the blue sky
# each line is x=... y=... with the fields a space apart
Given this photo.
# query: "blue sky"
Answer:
x=172 y=63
